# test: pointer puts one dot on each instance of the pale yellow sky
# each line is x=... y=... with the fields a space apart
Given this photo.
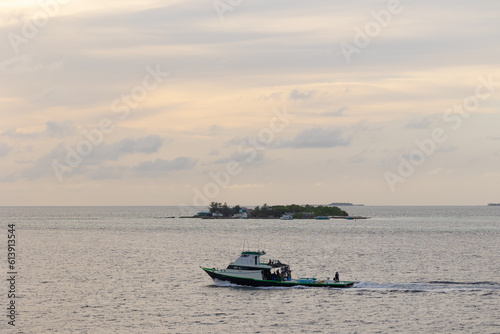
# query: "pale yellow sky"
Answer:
x=187 y=102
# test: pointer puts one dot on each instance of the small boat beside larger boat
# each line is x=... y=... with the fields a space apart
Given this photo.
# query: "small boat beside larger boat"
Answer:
x=248 y=270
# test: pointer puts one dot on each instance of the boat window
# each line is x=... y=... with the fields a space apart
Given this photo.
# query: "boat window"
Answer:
x=236 y=267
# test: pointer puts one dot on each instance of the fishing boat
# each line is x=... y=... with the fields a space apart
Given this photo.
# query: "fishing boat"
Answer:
x=250 y=271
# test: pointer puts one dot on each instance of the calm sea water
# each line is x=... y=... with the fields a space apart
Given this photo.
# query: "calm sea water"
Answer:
x=127 y=270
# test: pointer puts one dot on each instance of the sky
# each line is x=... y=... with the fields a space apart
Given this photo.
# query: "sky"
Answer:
x=158 y=102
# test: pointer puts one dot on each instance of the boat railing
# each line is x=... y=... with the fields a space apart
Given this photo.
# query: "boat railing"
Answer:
x=276 y=263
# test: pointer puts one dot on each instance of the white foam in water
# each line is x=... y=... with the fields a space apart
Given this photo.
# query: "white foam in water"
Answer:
x=404 y=287
x=428 y=286
x=222 y=283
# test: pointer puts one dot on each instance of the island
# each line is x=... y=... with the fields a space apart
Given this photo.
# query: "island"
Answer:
x=293 y=211
x=344 y=204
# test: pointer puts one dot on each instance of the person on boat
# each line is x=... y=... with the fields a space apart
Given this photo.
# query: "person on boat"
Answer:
x=280 y=275
x=336 y=278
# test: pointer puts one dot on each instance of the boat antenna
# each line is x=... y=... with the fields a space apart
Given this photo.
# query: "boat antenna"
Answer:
x=258 y=245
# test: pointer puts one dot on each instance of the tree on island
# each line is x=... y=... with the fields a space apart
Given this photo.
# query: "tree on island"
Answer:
x=214 y=207
x=276 y=211
x=223 y=209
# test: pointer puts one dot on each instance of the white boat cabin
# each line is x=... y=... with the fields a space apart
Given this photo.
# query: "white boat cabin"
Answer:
x=249 y=260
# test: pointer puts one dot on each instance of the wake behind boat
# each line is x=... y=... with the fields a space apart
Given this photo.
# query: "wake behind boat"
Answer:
x=248 y=270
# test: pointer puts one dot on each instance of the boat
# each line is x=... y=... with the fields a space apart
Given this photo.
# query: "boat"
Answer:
x=287 y=216
x=322 y=218
x=248 y=270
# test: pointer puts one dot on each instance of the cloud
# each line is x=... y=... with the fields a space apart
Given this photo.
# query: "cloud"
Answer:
x=214 y=151
x=60 y=129
x=284 y=54
x=4 y=149
x=48 y=96
x=161 y=165
x=298 y=95
x=422 y=123
x=215 y=129
x=54 y=129
x=356 y=159
x=247 y=154
x=156 y=168
x=23 y=133
x=318 y=138
x=272 y=97
x=336 y=113
x=42 y=166
x=147 y=145
x=26 y=64
x=100 y=154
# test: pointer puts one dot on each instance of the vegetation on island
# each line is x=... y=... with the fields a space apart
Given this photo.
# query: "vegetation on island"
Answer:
x=223 y=209
x=276 y=211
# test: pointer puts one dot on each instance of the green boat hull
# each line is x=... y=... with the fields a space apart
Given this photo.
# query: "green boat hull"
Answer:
x=265 y=283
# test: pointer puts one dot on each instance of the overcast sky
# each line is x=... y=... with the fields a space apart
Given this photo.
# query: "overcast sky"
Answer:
x=158 y=102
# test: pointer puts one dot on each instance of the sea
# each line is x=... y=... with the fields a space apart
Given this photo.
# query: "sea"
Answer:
x=418 y=269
